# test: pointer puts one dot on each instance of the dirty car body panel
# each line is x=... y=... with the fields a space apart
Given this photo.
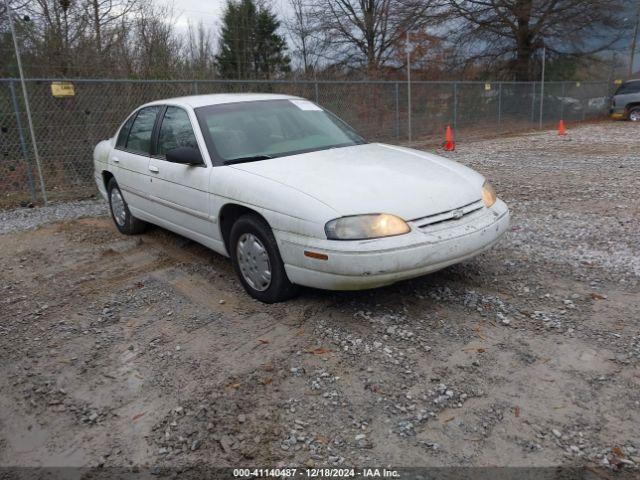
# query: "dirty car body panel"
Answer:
x=439 y=204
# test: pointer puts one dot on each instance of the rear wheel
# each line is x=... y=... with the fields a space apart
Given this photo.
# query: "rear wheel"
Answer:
x=125 y=222
x=634 y=114
x=257 y=262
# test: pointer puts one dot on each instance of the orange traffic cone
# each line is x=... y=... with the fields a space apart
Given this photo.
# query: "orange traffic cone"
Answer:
x=561 y=127
x=449 y=145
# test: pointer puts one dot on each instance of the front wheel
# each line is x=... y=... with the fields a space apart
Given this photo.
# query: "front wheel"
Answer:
x=634 y=114
x=125 y=222
x=257 y=262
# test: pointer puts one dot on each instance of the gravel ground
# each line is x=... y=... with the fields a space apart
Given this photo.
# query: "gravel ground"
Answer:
x=145 y=350
x=29 y=218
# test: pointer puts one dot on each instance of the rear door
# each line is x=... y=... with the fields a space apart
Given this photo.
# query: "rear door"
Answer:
x=130 y=159
x=182 y=191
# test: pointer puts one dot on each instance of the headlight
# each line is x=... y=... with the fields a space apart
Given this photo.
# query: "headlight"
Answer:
x=360 y=227
x=488 y=194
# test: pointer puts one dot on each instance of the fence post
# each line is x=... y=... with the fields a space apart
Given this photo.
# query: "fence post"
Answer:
x=499 y=106
x=397 y=110
x=317 y=92
x=544 y=62
x=409 y=100
x=455 y=106
x=23 y=143
x=533 y=102
x=195 y=87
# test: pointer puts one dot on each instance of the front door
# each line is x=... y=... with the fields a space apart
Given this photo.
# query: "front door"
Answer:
x=182 y=191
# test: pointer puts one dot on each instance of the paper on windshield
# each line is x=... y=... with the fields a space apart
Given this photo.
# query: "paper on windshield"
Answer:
x=305 y=105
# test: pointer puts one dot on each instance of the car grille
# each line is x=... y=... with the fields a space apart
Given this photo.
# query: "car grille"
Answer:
x=454 y=215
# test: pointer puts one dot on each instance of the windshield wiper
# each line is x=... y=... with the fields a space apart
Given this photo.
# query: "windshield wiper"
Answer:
x=253 y=158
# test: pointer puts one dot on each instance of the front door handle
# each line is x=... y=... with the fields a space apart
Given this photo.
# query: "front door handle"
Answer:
x=154 y=169
x=115 y=159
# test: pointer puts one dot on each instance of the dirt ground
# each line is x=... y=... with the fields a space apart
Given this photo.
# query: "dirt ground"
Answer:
x=145 y=350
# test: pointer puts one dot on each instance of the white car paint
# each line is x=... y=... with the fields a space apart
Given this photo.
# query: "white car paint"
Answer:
x=359 y=179
x=297 y=195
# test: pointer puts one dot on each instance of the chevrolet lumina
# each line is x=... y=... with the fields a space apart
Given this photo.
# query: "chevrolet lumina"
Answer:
x=293 y=194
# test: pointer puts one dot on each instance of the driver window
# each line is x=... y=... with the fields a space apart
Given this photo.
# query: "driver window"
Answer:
x=175 y=131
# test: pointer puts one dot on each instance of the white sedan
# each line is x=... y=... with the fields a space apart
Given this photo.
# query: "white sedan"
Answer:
x=293 y=194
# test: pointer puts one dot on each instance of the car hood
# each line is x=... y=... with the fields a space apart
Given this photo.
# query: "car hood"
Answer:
x=375 y=178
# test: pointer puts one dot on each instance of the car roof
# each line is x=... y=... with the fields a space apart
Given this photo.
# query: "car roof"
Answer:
x=195 y=101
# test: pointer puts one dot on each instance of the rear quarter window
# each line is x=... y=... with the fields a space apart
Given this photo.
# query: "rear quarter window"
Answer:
x=121 y=142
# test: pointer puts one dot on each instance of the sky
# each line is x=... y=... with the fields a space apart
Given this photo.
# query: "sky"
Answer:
x=209 y=12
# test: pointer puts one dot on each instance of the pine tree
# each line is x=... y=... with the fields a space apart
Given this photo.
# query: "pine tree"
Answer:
x=250 y=46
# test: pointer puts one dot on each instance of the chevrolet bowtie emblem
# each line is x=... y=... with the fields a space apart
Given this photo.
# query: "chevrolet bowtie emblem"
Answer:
x=457 y=214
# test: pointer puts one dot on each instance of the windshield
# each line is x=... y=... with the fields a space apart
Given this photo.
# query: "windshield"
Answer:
x=249 y=131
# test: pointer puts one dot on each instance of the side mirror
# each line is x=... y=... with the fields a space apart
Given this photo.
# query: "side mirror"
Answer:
x=185 y=156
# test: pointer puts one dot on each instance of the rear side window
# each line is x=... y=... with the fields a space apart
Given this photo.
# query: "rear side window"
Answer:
x=139 y=140
x=124 y=132
x=626 y=88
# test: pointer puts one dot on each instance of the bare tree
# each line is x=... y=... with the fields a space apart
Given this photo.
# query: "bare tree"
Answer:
x=77 y=38
x=157 y=48
x=199 y=51
x=73 y=37
x=307 y=38
x=511 y=33
x=55 y=27
x=8 y=65
x=368 y=32
x=103 y=15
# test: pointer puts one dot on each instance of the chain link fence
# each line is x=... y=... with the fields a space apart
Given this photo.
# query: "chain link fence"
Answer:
x=67 y=129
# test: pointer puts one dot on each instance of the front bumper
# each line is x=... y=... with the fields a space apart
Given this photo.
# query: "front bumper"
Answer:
x=356 y=265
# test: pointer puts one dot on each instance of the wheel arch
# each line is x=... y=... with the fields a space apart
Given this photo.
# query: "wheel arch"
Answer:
x=228 y=215
x=106 y=176
x=631 y=105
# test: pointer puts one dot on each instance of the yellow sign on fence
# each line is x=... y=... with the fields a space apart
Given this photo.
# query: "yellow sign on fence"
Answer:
x=62 y=89
x=487 y=86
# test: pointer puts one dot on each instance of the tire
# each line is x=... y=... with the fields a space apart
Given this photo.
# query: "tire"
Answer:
x=634 y=114
x=125 y=222
x=254 y=252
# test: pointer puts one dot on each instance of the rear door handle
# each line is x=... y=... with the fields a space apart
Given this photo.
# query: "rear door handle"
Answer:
x=154 y=169
x=115 y=159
